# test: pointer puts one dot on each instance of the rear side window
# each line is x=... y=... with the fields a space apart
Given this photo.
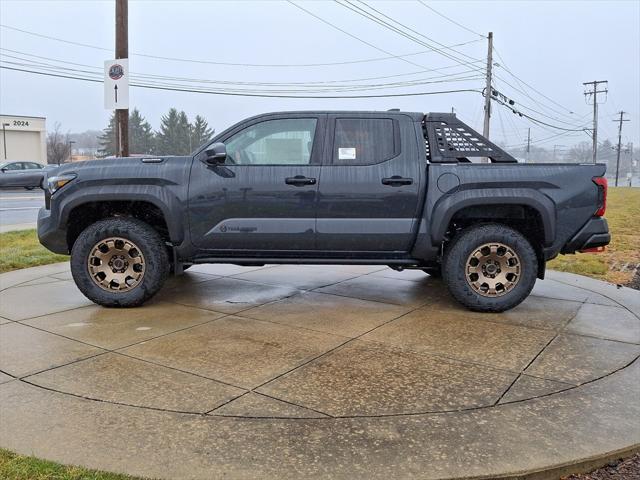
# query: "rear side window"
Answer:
x=364 y=141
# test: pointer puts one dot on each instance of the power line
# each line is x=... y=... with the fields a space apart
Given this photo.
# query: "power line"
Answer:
x=326 y=22
x=519 y=80
x=347 y=88
x=450 y=19
x=262 y=95
x=533 y=119
x=443 y=47
x=526 y=107
x=543 y=140
x=372 y=17
x=232 y=64
x=323 y=84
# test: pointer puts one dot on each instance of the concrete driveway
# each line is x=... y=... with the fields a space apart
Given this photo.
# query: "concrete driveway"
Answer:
x=328 y=371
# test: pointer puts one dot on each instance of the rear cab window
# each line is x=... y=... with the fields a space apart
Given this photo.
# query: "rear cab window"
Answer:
x=365 y=141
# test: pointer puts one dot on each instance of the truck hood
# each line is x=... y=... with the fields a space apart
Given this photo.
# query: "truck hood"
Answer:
x=121 y=170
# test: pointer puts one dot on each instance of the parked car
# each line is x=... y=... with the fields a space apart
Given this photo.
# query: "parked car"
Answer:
x=390 y=188
x=21 y=174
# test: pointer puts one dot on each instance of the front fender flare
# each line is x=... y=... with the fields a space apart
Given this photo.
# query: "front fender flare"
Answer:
x=168 y=204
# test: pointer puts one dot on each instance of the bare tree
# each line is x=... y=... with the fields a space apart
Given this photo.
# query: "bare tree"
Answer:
x=580 y=153
x=58 y=146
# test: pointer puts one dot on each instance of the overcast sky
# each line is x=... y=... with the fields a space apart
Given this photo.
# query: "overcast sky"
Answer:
x=552 y=46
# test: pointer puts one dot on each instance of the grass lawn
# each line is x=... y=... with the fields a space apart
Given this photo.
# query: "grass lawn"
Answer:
x=21 y=250
x=18 y=467
x=618 y=262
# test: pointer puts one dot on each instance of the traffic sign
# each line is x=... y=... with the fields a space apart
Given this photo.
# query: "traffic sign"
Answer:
x=116 y=84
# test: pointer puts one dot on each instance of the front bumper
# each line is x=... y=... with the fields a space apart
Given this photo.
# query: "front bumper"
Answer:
x=50 y=235
x=594 y=234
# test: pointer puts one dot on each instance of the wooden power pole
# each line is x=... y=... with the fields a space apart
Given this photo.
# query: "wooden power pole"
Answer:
x=594 y=91
x=622 y=119
x=488 y=92
x=122 y=51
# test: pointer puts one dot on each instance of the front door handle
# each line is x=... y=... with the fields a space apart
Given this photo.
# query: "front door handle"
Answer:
x=397 y=181
x=299 y=181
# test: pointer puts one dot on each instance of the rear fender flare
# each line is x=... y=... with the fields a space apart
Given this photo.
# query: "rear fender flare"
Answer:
x=448 y=205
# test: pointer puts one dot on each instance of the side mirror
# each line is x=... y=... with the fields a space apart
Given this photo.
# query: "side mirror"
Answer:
x=216 y=154
x=3 y=170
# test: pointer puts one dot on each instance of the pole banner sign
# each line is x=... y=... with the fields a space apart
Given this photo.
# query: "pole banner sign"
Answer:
x=116 y=84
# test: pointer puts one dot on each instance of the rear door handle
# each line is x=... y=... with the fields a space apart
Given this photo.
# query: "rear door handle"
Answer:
x=397 y=181
x=299 y=181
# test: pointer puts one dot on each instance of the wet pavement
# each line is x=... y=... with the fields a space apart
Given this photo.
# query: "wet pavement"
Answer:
x=19 y=208
x=318 y=371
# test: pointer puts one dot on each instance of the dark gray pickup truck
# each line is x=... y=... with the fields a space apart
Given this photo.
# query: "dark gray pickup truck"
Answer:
x=391 y=188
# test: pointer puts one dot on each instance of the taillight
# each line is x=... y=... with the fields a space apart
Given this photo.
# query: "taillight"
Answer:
x=601 y=182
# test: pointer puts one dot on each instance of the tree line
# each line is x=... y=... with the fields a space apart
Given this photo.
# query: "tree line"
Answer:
x=176 y=135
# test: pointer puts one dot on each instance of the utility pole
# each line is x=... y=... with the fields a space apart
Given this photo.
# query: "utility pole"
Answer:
x=71 y=142
x=528 y=143
x=619 y=142
x=555 y=149
x=594 y=91
x=122 y=51
x=4 y=138
x=488 y=92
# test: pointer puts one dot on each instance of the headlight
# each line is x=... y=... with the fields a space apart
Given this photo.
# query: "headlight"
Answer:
x=56 y=183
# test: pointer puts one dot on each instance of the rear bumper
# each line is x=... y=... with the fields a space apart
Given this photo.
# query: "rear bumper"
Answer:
x=595 y=233
x=49 y=233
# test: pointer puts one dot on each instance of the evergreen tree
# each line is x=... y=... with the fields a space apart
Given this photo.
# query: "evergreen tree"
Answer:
x=141 y=139
x=184 y=134
x=200 y=132
x=174 y=134
x=107 y=140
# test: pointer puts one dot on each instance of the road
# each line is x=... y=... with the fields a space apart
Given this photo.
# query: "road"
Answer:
x=19 y=208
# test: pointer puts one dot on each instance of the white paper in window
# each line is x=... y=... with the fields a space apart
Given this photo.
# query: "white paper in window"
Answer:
x=347 y=153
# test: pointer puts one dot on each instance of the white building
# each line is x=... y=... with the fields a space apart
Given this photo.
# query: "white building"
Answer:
x=23 y=139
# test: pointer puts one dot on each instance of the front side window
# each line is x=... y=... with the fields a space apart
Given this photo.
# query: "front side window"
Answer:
x=13 y=166
x=363 y=141
x=273 y=142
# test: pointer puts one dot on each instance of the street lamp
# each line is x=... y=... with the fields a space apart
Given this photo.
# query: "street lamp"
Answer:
x=71 y=142
x=4 y=138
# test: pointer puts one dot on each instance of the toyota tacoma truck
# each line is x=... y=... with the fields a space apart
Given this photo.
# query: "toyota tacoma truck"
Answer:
x=407 y=190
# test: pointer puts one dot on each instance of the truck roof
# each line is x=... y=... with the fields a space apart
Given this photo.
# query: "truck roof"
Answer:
x=417 y=116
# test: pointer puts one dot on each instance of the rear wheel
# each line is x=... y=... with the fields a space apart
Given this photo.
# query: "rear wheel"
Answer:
x=119 y=262
x=490 y=268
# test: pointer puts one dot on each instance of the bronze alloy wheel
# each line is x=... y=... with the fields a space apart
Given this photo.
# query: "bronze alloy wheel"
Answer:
x=493 y=269
x=116 y=264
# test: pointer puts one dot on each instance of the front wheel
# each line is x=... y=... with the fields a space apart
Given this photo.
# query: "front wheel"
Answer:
x=490 y=268
x=119 y=262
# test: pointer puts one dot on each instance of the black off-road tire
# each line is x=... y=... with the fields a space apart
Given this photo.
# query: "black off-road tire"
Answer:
x=464 y=244
x=435 y=272
x=151 y=246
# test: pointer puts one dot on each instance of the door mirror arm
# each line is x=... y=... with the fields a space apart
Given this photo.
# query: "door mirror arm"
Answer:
x=216 y=154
